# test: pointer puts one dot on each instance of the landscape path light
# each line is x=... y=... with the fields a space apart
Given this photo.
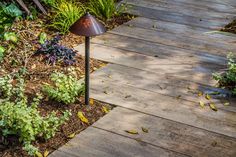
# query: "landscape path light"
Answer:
x=87 y=26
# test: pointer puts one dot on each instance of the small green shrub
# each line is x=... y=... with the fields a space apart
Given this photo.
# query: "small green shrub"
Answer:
x=227 y=79
x=66 y=88
x=66 y=13
x=7 y=15
x=105 y=9
x=21 y=118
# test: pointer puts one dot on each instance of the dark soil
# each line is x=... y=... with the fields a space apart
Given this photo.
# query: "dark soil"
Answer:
x=231 y=27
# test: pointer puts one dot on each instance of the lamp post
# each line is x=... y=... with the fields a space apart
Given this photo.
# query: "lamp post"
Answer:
x=87 y=26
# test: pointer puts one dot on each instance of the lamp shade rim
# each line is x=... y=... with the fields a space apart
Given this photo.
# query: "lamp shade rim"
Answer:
x=87 y=26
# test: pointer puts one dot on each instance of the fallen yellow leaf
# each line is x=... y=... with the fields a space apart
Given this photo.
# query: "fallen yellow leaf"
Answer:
x=46 y=153
x=33 y=66
x=178 y=97
x=38 y=154
x=200 y=93
x=213 y=107
x=71 y=135
x=201 y=104
x=82 y=117
x=132 y=131
x=104 y=109
x=226 y=104
x=145 y=130
x=91 y=101
x=208 y=97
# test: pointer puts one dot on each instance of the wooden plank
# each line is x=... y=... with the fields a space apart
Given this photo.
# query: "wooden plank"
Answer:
x=96 y=142
x=153 y=64
x=189 y=31
x=177 y=17
x=222 y=122
x=177 y=88
x=174 y=40
x=58 y=153
x=204 y=4
x=189 y=10
x=128 y=58
x=168 y=134
x=155 y=49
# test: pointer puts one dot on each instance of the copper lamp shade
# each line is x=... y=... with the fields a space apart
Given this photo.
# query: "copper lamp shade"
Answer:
x=87 y=26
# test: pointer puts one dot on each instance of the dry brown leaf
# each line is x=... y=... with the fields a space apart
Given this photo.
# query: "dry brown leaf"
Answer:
x=178 y=97
x=33 y=66
x=145 y=130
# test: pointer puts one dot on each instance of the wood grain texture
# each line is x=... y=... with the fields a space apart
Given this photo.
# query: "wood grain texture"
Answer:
x=96 y=142
x=168 y=134
x=167 y=107
x=172 y=86
x=157 y=50
x=213 y=47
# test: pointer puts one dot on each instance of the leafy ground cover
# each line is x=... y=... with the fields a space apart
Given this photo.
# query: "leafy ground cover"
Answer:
x=227 y=77
x=39 y=72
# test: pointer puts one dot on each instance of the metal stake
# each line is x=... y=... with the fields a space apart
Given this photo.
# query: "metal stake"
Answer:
x=87 y=69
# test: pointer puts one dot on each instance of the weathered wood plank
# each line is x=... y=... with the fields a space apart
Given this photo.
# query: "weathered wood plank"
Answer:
x=216 y=5
x=188 y=31
x=177 y=17
x=189 y=10
x=96 y=142
x=155 y=49
x=222 y=122
x=153 y=64
x=124 y=57
x=174 y=40
x=177 y=88
x=168 y=134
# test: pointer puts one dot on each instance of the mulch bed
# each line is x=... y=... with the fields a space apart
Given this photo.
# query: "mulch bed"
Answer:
x=231 y=27
x=39 y=72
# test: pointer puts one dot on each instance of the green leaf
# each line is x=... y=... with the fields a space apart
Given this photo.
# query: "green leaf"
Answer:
x=2 y=51
x=42 y=38
x=12 y=10
x=10 y=36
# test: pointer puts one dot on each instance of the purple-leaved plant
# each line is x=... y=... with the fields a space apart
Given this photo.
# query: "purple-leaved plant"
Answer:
x=55 y=52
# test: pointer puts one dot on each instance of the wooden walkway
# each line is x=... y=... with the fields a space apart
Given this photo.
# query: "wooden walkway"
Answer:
x=158 y=63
